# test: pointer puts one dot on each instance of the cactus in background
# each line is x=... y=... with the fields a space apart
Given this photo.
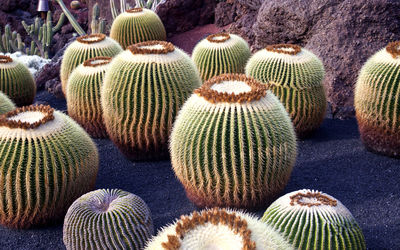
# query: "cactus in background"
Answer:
x=84 y=48
x=218 y=229
x=16 y=81
x=232 y=144
x=377 y=101
x=295 y=75
x=11 y=41
x=112 y=219
x=97 y=25
x=221 y=53
x=83 y=95
x=75 y=5
x=71 y=18
x=149 y=4
x=143 y=90
x=137 y=25
x=6 y=105
x=314 y=220
x=46 y=162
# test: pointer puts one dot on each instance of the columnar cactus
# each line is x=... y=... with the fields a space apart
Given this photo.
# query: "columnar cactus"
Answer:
x=143 y=90
x=112 y=219
x=16 y=81
x=6 y=105
x=377 y=101
x=233 y=144
x=218 y=229
x=137 y=25
x=84 y=48
x=221 y=53
x=310 y=219
x=295 y=75
x=83 y=95
x=46 y=162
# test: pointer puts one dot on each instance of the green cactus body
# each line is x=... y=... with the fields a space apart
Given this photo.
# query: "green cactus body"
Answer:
x=295 y=75
x=233 y=144
x=137 y=25
x=218 y=229
x=377 y=101
x=16 y=81
x=83 y=95
x=6 y=105
x=143 y=90
x=107 y=219
x=84 y=48
x=47 y=161
x=221 y=53
x=313 y=220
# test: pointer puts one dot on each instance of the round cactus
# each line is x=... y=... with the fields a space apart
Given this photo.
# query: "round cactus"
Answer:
x=377 y=101
x=221 y=53
x=6 y=105
x=16 y=81
x=295 y=75
x=137 y=25
x=143 y=90
x=112 y=219
x=314 y=220
x=233 y=144
x=218 y=229
x=83 y=95
x=46 y=162
x=84 y=48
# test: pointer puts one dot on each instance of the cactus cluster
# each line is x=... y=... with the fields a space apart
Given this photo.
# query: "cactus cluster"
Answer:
x=295 y=75
x=16 y=81
x=219 y=54
x=98 y=25
x=6 y=105
x=310 y=219
x=233 y=144
x=111 y=219
x=46 y=162
x=11 y=42
x=377 y=101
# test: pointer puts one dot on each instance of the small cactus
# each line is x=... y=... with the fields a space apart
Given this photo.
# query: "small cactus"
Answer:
x=310 y=219
x=112 y=219
x=6 y=105
x=75 y=5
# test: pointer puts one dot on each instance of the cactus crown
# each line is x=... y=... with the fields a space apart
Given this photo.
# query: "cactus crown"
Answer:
x=152 y=47
x=135 y=10
x=310 y=199
x=289 y=49
x=97 y=61
x=393 y=48
x=27 y=117
x=90 y=39
x=218 y=38
x=5 y=59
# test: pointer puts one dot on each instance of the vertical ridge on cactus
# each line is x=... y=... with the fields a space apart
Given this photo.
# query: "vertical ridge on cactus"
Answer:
x=295 y=75
x=310 y=219
x=233 y=144
x=6 y=105
x=377 y=101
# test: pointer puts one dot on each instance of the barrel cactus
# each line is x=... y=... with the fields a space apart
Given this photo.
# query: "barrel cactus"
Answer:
x=6 y=105
x=310 y=219
x=83 y=95
x=137 y=25
x=221 y=53
x=218 y=229
x=84 y=48
x=107 y=219
x=16 y=81
x=143 y=90
x=46 y=162
x=295 y=75
x=377 y=101
x=233 y=144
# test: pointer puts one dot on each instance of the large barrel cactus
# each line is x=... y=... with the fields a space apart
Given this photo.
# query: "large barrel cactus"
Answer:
x=313 y=220
x=137 y=25
x=107 y=219
x=6 y=105
x=295 y=75
x=221 y=53
x=143 y=90
x=233 y=144
x=46 y=162
x=83 y=95
x=16 y=81
x=218 y=229
x=84 y=48
x=377 y=101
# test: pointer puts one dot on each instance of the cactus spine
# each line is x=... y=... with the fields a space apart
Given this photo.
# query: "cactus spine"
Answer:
x=6 y=105
x=46 y=162
x=232 y=144
x=112 y=219
x=221 y=53
x=295 y=75
x=314 y=220
x=377 y=101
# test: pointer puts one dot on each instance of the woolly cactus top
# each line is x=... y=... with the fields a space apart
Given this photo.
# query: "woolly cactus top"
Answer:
x=93 y=38
x=393 y=49
x=136 y=12
x=7 y=62
x=152 y=47
x=152 y=52
x=27 y=117
x=388 y=55
x=220 y=40
x=92 y=41
x=289 y=49
x=97 y=61
x=94 y=65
